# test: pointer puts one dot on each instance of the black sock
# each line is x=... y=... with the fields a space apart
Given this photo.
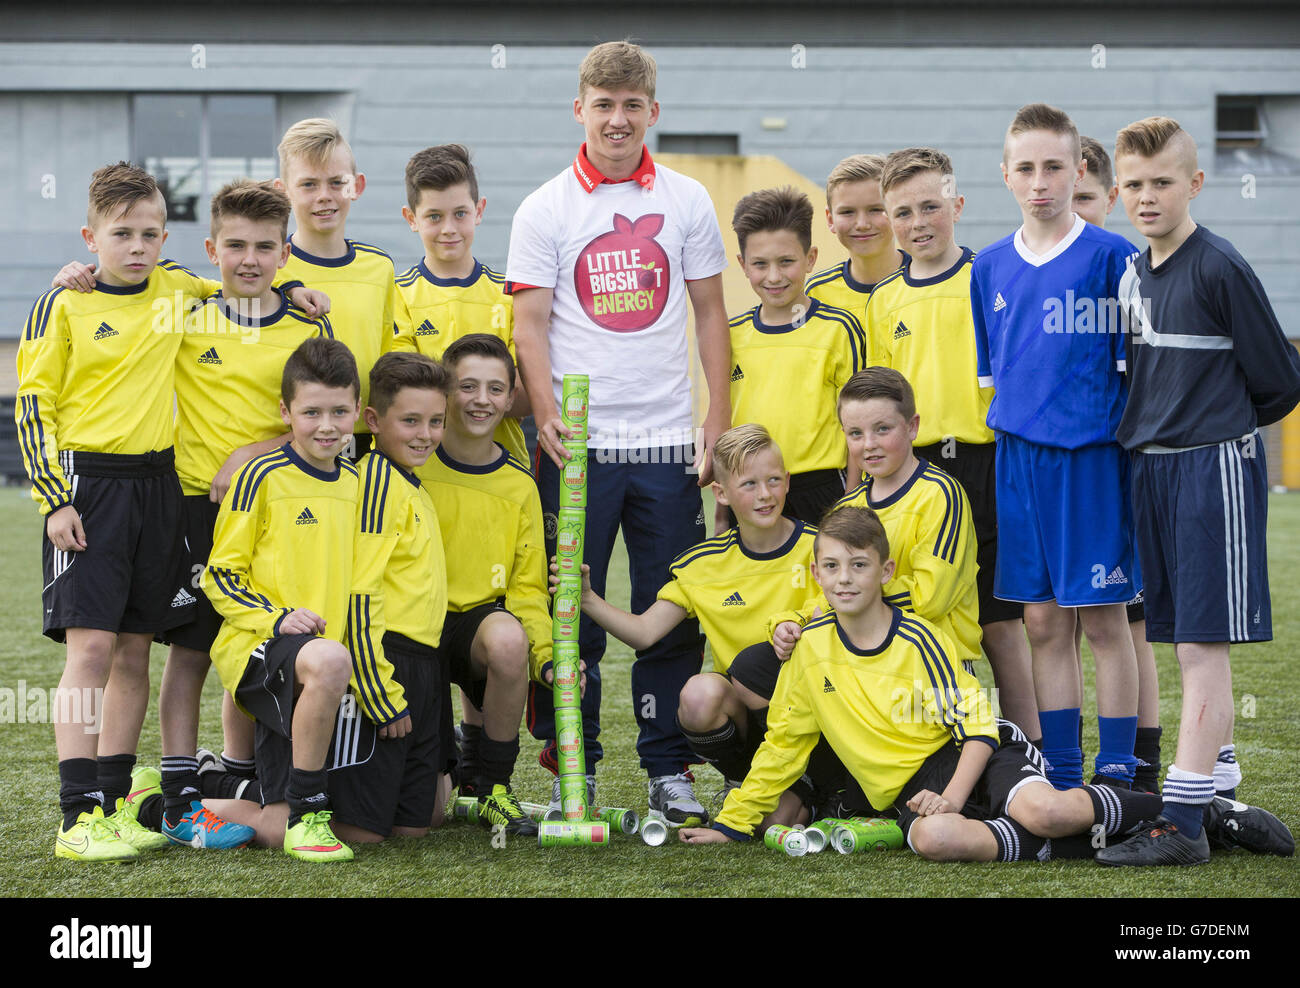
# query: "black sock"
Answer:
x=1118 y=811
x=496 y=760
x=79 y=790
x=1015 y=843
x=115 y=779
x=1146 y=777
x=180 y=786
x=467 y=764
x=244 y=768
x=306 y=793
x=724 y=749
x=150 y=813
x=223 y=785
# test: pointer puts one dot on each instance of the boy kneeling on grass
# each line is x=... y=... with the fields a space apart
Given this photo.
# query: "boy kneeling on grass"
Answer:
x=917 y=733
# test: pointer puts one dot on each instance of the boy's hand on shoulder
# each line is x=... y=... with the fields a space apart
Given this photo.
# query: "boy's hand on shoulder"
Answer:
x=65 y=531
x=784 y=637
x=221 y=482
x=301 y=621
x=311 y=301
x=399 y=728
x=702 y=835
x=76 y=277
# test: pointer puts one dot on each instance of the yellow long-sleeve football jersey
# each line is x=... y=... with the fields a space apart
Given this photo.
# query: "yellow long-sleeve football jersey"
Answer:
x=788 y=378
x=228 y=372
x=923 y=329
x=400 y=580
x=883 y=710
x=491 y=522
x=96 y=372
x=439 y=311
x=733 y=591
x=284 y=539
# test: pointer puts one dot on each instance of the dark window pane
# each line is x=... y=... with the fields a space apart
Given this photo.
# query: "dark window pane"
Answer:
x=167 y=145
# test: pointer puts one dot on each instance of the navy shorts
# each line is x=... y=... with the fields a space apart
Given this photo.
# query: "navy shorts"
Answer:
x=380 y=783
x=1071 y=516
x=133 y=574
x=200 y=517
x=1201 y=516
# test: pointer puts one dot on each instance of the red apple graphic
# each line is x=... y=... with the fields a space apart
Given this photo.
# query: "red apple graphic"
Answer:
x=626 y=255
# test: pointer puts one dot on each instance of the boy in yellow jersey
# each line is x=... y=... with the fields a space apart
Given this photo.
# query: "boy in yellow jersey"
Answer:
x=319 y=174
x=228 y=372
x=94 y=412
x=389 y=782
x=450 y=294
x=855 y=213
x=888 y=691
x=791 y=354
x=1094 y=197
x=498 y=628
x=733 y=584
x=280 y=574
x=919 y=323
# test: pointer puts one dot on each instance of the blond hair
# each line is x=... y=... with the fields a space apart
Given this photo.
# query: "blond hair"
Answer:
x=854 y=168
x=250 y=200
x=114 y=189
x=1148 y=137
x=736 y=447
x=313 y=140
x=1041 y=116
x=909 y=162
x=618 y=66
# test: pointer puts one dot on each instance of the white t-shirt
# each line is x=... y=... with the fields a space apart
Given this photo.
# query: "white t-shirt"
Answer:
x=618 y=258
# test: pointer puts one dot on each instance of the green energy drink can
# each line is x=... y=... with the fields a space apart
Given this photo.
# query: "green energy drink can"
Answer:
x=620 y=820
x=787 y=839
x=535 y=811
x=466 y=808
x=573 y=792
x=574 y=394
x=573 y=477
x=866 y=834
x=569 y=537
x=819 y=834
x=568 y=719
x=566 y=665
x=568 y=833
x=654 y=832
x=568 y=606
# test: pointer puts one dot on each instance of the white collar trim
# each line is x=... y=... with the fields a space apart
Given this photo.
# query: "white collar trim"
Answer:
x=1038 y=260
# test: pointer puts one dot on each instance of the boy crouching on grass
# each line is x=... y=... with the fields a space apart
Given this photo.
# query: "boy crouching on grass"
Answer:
x=733 y=583
x=966 y=787
x=280 y=573
x=388 y=784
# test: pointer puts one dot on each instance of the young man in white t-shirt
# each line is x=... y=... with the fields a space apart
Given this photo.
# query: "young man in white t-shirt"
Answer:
x=602 y=260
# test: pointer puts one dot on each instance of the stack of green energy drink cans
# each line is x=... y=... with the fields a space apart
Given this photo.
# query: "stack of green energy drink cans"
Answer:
x=578 y=825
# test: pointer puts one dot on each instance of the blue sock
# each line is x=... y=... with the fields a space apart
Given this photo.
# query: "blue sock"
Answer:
x=1061 y=747
x=1185 y=797
x=1116 y=737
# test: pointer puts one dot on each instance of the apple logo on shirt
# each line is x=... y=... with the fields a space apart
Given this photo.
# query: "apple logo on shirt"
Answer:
x=622 y=276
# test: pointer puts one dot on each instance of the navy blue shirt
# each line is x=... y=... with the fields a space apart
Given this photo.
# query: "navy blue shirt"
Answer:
x=1207 y=360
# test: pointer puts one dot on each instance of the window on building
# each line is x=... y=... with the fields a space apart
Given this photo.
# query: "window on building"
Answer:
x=195 y=144
x=699 y=143
x=1257 y=134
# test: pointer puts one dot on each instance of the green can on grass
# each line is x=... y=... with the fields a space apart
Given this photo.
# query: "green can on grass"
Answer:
x=787 y=839
x=866 y=834
x=620 y=820
x=568 y=834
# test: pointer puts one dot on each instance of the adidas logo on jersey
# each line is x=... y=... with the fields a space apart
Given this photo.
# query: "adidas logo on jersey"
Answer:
x=105 y=331
x=426 y=328
x=900 y=331
x=999 y=303
x=737 y=374
x=733 y=600
x=210 y=356
x=182 y=598
x=828 y=688
x=306 y=518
